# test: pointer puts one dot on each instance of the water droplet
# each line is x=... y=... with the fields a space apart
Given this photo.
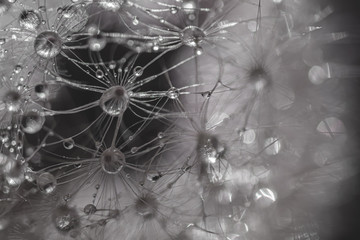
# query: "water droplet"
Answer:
x=138 y=71
x=48 y=44
x=192 y=36
x=46 y=183
x=317 y=75
x=17 y=69
x=134 y=149
x=173 y=93
x=112 y=160
x=112 y=65
x=135 y=21
x=32 y=121
x=97 y=43
x=13 y=101
x=153 y=176
x=68 y=143
x=114 y=101
x=42 y=90
x=99 y=74
x=272 y=146
x=65 y=218
x=174 y=10
x=90 y=209
x=2 y=41
x=331 y=127
x=248 y=136
x=29 y=19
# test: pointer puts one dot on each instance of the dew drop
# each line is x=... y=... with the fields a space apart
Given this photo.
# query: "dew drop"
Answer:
x=114 y=101
x=138 y=71
x=17 y=69
x=272 y=146
x=32 y=121
x=331 y=127
x=135 y=21
x=97 y=43
x=99 y=74
x=65 y=218
x=42 y=91
x=112 y=160
x=48 y=44
x=13 y=101
x=134 y=149
x=29 y=19
x=68 y=143
x=317 y=75
x=174 y=10
x=153 y=176
x=90 y=209
x=46 y=183
x=173 y=93
x=192 y=36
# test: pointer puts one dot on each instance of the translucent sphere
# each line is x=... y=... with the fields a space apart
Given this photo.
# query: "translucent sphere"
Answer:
x=112 y=160
x=65 y=218
x=192 y=36
x=48 y=44
x=13 y=101
x=90 y=209
x=29 y=19
x=173 y=93
x=32 y=121
x=114 y=101
x=42 y=91
x=46 y=183
x=97 y=43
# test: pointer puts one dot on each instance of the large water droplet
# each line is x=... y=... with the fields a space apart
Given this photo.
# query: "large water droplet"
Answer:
x=68 y=143
x=48 y=44
x=114 y=101
x=112 y=160
x=42 y=91
x=192 y=36
x=29 y=19
x=13 y=101
x=46 y=183
x=32 y=121
x=65 y=218
x=90 y=209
